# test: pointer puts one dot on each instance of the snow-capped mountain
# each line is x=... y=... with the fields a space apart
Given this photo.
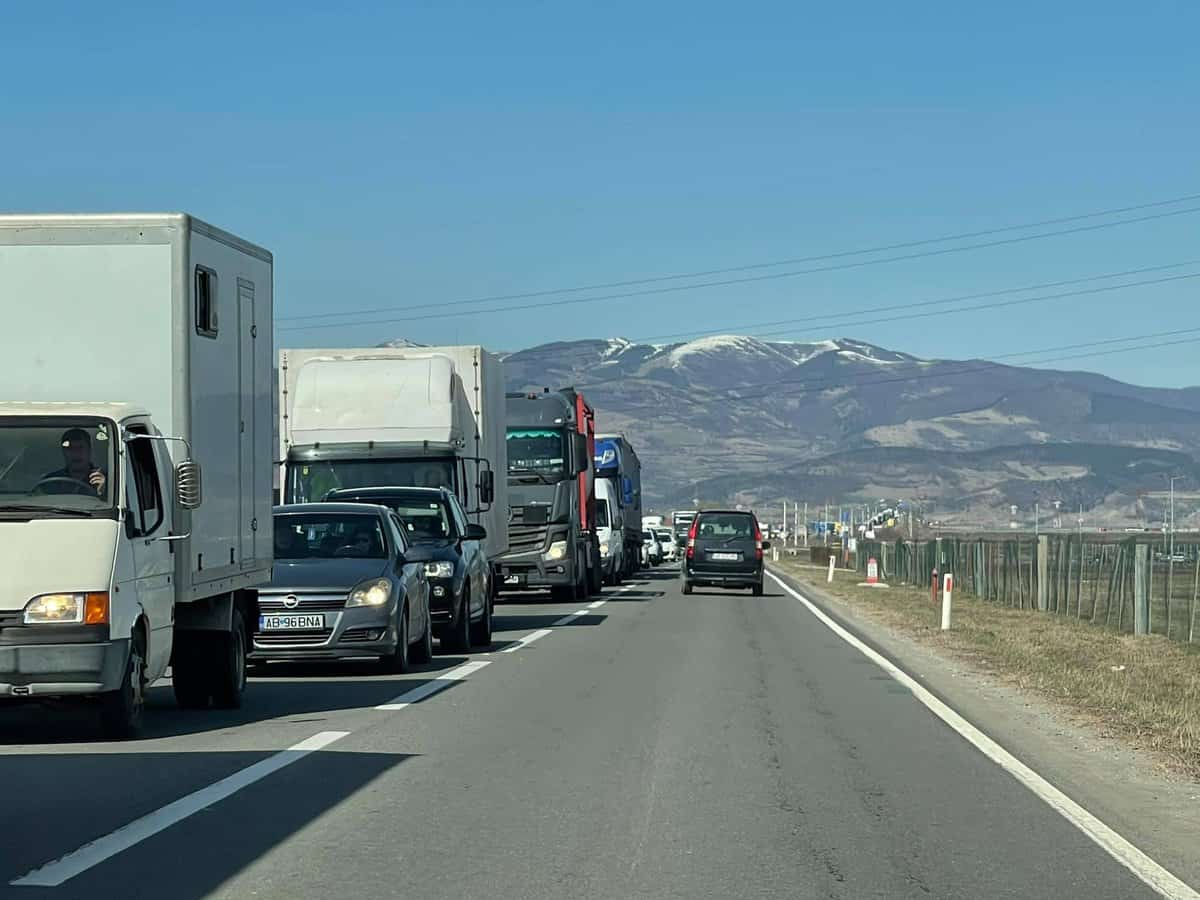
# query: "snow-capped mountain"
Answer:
x=731 y=416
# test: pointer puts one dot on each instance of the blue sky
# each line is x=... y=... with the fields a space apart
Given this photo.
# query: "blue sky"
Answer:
x=413 y=153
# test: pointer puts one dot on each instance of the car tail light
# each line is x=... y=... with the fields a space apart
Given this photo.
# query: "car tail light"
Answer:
x=691 y=548
x=757 y=542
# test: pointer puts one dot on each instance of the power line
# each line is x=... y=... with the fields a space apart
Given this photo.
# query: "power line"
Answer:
x=742 y=329
x=982 y=306
x=443 y=313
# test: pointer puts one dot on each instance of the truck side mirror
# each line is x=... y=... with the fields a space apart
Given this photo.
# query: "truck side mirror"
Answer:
x=487 y=486
x=188 y=491
x=583 y=459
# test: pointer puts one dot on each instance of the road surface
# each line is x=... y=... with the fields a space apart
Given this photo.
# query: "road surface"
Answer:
x=655 y=745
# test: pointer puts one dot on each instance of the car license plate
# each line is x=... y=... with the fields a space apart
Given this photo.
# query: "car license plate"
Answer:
x=296 y=622
x=724 y=557
x=512 y=579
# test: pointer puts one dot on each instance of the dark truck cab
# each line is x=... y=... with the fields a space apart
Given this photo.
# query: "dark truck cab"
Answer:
x=551 y=493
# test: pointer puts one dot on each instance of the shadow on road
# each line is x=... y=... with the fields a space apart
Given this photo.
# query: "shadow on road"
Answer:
x=530 y=622
x=189 y=860
x=284 y=691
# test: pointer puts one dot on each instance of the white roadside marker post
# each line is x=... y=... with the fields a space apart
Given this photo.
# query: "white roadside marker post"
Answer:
x=947 y=589
x=832 y=563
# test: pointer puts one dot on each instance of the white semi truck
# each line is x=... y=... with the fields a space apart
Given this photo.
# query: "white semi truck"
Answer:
x=397 y=416
x=135 y=458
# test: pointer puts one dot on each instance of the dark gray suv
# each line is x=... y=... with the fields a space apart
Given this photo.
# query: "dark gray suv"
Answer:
x=725 y=550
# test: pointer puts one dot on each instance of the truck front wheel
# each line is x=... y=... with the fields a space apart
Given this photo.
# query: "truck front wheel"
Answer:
x=121 y=710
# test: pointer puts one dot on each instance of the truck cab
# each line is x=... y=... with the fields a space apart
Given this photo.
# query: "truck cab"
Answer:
x=90 y=509
x=551 y=492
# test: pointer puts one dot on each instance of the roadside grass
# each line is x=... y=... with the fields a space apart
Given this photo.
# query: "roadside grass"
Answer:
x=1144 y=690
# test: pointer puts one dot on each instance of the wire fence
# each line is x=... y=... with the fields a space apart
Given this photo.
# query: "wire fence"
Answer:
x=1094 y=577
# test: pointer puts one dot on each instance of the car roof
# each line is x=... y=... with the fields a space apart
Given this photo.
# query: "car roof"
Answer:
x=726 y=512
x=389 y=491
x=341 y=508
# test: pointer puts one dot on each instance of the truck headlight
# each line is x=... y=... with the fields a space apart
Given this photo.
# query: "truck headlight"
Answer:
x=89 y=608
x=558 y=550
x=371 y=593
x=439 y=569
x=604 y=548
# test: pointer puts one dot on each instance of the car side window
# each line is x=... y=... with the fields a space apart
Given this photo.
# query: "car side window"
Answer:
x=398 y=534
x=460 y=517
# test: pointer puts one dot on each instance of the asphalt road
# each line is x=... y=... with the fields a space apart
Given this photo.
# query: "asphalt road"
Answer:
x=718 y=745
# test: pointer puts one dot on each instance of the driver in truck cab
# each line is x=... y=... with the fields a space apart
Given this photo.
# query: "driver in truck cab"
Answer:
x=77 y=462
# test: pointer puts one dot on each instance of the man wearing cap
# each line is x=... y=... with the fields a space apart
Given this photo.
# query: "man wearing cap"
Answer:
x=77 y=459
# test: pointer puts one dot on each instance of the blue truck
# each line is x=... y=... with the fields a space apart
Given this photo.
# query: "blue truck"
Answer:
x=616 y=460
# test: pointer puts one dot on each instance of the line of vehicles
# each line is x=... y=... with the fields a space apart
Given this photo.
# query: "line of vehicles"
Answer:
x=175 y=494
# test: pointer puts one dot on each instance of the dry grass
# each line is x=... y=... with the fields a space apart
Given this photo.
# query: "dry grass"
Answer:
x=1144 y=690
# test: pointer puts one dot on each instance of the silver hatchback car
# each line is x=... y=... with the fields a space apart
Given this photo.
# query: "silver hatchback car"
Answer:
x=346 y=585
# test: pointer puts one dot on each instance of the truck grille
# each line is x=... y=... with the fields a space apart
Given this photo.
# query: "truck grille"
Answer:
x=523 y=538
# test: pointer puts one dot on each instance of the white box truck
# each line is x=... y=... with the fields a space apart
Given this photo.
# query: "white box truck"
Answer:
x=135 y=458
x=393 y=417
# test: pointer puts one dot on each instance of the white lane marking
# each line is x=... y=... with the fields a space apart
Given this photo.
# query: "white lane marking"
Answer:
x=527 y=640
x=429 y=688
x=596 y=604
x=1116 y=846
x=55 y=873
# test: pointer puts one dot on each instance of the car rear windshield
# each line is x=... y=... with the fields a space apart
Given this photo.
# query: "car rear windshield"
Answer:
x=328 y=536
x=726 y=525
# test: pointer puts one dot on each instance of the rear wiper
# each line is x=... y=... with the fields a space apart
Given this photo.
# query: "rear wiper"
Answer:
x=57 y=510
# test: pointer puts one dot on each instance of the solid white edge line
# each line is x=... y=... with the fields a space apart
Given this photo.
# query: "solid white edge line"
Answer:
x=431 y=687
x=1110 y=841
x=527 y=640
x=54 y=873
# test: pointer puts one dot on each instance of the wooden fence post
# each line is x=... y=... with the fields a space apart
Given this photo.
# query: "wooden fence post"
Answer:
x=1043 y=568
x=1141 y=589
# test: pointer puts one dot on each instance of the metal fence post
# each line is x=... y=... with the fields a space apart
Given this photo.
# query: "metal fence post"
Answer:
x=1141 y=589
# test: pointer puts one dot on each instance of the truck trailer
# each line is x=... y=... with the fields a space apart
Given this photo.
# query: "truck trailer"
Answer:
x=551 y=490
x=616 y=461
x=397 y=417
x=135 y=459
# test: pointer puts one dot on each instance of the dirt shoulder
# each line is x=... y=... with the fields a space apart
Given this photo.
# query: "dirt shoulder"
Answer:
x=1112 y=720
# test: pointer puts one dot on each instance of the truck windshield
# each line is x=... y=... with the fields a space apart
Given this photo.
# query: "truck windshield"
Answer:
x=63 y=466
x=311 y=481
x=536 y=450
x=328 y=536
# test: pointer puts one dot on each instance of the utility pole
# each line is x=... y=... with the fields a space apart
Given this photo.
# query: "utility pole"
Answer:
x=805 y=523
x=1035 y=518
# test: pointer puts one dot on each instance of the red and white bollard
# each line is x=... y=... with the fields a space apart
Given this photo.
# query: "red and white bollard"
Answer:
x=947 y=589
x=872 y=571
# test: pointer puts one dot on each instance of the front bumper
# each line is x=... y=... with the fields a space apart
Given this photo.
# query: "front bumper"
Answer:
x=528 y=570
x=45 y=666
x=443 y=606
x=359 y=632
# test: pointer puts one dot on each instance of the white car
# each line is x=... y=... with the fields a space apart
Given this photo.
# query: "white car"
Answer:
x=666 y=541
x=653 y=548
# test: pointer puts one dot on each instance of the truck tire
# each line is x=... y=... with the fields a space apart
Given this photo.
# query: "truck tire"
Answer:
x=229 y=665
x=188 y=676
x=121 y=711
x=595 y=580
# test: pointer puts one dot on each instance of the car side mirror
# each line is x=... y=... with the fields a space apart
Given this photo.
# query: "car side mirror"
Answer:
x=766 y=545
x=487 y=486
x=416 y=555
x=188 y=485
x=476 y=532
